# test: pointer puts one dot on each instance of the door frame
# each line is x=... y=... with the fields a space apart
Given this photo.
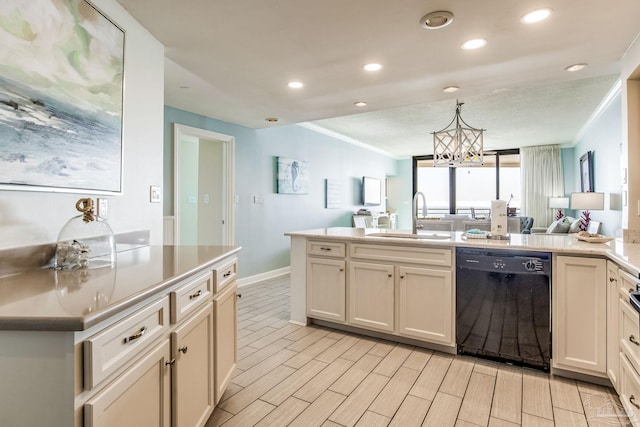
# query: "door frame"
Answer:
x=228 y=141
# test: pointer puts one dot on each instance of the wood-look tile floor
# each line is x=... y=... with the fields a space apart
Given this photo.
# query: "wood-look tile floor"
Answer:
x=291 y=375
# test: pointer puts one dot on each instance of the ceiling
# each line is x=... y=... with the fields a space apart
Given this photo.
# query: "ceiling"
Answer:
x=232 y=59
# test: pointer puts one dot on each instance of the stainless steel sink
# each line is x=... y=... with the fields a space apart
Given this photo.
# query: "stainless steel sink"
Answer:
x=433 y=236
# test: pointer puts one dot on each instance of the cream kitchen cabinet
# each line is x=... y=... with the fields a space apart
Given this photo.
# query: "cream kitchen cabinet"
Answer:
x=192 y=375
x=326 y=281
x=225 y=338
x=403 y=290
x=579 y=331
x=425 y=304
x=138 y=355
x=140 y=397
x=613 y=313
x=326 y=288
x=371 y=295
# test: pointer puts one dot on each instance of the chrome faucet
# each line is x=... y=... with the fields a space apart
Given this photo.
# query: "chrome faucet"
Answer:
x=414 y=210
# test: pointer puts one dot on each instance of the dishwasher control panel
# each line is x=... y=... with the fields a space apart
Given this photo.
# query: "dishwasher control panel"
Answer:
x=514 y=262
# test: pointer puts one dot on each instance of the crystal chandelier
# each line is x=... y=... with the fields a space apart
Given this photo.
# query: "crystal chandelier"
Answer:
x=458 y=145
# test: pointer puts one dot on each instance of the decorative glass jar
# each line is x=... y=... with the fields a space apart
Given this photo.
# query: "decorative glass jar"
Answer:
x=85 y=242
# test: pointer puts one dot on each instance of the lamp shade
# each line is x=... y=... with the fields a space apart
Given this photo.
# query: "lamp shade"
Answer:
x=587 y=201
x=559 y=202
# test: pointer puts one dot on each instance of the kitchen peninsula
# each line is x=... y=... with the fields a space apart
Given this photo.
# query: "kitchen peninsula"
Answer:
x=402 y=287
x=150 y=342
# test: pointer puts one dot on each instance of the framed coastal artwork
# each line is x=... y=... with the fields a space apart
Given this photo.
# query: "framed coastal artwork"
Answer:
x=61 y=97
x=293 y=176
x=586 y=172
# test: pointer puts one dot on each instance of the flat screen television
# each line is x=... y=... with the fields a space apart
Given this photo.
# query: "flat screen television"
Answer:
x=371 y=191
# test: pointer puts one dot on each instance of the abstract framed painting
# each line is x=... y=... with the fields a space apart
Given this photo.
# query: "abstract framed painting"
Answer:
x=293 y=176
x=61 y=97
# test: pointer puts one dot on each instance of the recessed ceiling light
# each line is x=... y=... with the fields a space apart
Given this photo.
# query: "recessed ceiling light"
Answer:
x=535 y=16
x=450 y=89
x=436 y=20
x=576 y=67
x=271 y=119
x=295 y=85
x=360 y=104
x=473 y=44
x=373 y=67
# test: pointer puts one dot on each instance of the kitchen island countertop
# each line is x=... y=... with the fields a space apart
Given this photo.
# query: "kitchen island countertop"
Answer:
x=626 y=255
x=75 y=300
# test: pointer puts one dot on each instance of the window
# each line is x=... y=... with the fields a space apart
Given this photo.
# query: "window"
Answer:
x=468 y=190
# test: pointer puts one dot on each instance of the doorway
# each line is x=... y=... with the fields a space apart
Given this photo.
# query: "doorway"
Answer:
x=203 y=187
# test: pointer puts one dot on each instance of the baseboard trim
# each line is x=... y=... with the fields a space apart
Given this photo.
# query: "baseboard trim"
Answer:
x=273 y=274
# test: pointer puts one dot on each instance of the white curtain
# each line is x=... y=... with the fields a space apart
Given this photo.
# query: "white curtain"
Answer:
x=541 y=178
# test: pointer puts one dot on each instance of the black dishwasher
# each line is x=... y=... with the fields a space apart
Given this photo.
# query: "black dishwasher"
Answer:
x=503 y=305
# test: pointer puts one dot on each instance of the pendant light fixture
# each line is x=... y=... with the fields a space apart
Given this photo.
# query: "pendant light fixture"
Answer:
x=458 y=144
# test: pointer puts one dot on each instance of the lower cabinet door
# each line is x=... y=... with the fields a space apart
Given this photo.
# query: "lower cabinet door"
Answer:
x=192 y=371
x=226 y=326
x=371 y=295
x=139 y=397
x=580 y=315
x=425 y=305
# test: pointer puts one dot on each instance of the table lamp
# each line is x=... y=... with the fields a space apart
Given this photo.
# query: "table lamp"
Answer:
x=585 y=202
x=559 y=203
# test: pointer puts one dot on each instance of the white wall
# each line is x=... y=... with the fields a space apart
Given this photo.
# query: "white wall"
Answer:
x=28 y=218
x=630 y=77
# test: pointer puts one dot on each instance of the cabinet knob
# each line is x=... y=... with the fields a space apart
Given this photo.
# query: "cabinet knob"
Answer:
x=632 y=400
x=183 y=349
x=135 y=336
x=239 y=296
x=634 y=340
x=631 y=290
x=612 y=279
x=341 y=269
x=390 y=275
x=170 y=362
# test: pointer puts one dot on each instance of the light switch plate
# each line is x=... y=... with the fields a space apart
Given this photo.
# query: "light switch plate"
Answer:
x=103 y=208
x=155 y=194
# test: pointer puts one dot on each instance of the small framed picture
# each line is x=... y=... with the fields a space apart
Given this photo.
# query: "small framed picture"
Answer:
x=593 y=227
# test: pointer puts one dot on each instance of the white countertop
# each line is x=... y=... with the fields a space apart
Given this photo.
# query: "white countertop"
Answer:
x=627 y=255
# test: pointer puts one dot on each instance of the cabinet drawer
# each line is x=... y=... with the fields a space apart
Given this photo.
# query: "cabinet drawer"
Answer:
x=189 y=296
x=626 y=282
x=629 y=390
x=332 y=249
x=431 y=256
x=114 y=347
x=225 y=274
x=629 y=333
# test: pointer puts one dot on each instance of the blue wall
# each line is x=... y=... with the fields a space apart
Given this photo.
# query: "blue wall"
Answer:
x=260 y=228
x=604 y=138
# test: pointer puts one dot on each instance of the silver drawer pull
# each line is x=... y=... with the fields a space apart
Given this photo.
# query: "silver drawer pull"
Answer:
x=632 y=400
x=633 y=340
x=135 y=336
x=325 y=249
x=227 y=274
x=196 y=295
x=183 y=349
